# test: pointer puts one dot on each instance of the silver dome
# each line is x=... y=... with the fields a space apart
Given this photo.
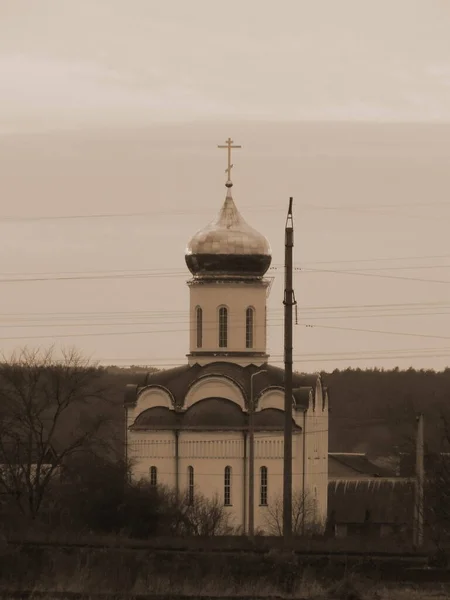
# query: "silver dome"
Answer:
x=228 y=246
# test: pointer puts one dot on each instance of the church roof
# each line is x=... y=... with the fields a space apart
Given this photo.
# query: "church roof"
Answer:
x=179 y=379
x=210 y=414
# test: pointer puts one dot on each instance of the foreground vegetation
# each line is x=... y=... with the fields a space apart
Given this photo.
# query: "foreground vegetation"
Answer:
x=63 y=477
x=118 y=571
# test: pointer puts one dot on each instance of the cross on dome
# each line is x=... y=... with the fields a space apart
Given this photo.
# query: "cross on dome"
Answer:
x=229 y=144
x=228 y=247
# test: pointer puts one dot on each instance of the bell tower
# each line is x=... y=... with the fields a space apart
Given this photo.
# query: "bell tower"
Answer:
x=228 y=260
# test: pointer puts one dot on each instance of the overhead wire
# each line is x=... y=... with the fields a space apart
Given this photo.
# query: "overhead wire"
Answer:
x=147 y=273
x=378 y=209
x=425 y=305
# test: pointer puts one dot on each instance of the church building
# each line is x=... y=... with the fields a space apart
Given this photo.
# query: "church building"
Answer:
x=191 y=427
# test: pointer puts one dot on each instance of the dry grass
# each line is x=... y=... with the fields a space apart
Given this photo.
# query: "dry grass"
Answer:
x=308 y=590
x=117 y=571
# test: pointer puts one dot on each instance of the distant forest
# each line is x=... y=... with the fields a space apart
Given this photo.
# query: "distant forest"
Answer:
x=372 y=410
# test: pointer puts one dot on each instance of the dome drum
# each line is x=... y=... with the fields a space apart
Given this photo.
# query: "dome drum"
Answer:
x=227 y=265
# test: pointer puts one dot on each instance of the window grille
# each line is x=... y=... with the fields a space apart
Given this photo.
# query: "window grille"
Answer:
x=223 y=327
x=249 y=325
x=191 y=485
x=199 y=324
x=153 y=476
x=227 y=487
x=263 y=486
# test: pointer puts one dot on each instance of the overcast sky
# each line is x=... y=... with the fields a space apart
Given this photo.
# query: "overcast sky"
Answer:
x=67 y=63
x=110 y=116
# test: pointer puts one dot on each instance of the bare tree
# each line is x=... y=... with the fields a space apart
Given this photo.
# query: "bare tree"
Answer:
x=205 y=516
x=303 y=515
x=45 y=418
x=200 y=516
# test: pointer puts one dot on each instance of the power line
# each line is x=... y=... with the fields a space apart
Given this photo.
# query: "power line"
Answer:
x=152 y=363
x=383 y=332
x=363 y=274
x=185 y=313
x=209 y=325
x=184 y=274
x=378 y=209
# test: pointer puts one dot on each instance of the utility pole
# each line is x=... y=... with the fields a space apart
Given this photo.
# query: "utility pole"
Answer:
x=251 y=458
x=288 y=304
x=419 y=485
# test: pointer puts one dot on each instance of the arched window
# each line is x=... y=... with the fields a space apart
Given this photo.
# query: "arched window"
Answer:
x=249 y=325
x=199 y=326
x=153 y=476
x=227 y=487
x=263 y=486
x=223 y=327
x=190 y=486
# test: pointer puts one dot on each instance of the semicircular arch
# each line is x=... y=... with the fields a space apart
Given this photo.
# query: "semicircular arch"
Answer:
x=153 y=396
x=272 y=398
x=214 y=386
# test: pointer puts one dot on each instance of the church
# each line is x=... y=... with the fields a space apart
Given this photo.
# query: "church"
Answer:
x=215 y=424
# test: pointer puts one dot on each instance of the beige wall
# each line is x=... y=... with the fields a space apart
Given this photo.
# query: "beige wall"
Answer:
x=316 y=462
x=210 y=452
x=237 y=297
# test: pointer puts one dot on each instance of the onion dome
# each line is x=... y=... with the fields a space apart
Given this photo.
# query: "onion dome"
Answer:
x=228 y=247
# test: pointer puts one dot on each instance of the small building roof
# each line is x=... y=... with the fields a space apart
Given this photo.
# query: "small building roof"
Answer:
x=344 y=465
x=382 y=501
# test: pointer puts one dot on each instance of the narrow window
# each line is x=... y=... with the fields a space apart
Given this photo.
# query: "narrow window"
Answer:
x=249 y=318
x=199 y=323
x=227 y=487
x=153 y=476
x=263 y=484
x=223 y=327
x=190 y=486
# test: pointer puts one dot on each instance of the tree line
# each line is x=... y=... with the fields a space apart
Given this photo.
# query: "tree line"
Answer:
x=61 y=445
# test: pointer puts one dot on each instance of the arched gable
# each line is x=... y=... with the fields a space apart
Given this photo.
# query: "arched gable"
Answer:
x=216 y=413
x=272 y=398
x=319 y=394
x=153 y=396
x=211 y=386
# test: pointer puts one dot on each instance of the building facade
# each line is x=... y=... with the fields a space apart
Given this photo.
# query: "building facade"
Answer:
x=190 y=427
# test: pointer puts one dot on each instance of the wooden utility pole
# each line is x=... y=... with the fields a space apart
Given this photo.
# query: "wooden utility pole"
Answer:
x=419 y=485
x=288 y=304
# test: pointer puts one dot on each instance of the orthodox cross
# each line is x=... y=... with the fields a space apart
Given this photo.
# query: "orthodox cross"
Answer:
x=229 y=144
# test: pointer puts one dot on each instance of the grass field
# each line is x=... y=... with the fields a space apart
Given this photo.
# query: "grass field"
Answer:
x=126 y=573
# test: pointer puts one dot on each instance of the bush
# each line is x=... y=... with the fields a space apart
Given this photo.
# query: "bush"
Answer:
x=98 y=496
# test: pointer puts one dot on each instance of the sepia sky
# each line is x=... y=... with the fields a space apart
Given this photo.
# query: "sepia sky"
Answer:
x=110 y=114
x=66 y=63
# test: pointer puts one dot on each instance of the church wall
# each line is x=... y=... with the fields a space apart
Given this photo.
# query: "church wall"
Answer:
x=316 y=442
x=209 y=453
x=237 y=297
x=153 y=448
x=269 y=450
